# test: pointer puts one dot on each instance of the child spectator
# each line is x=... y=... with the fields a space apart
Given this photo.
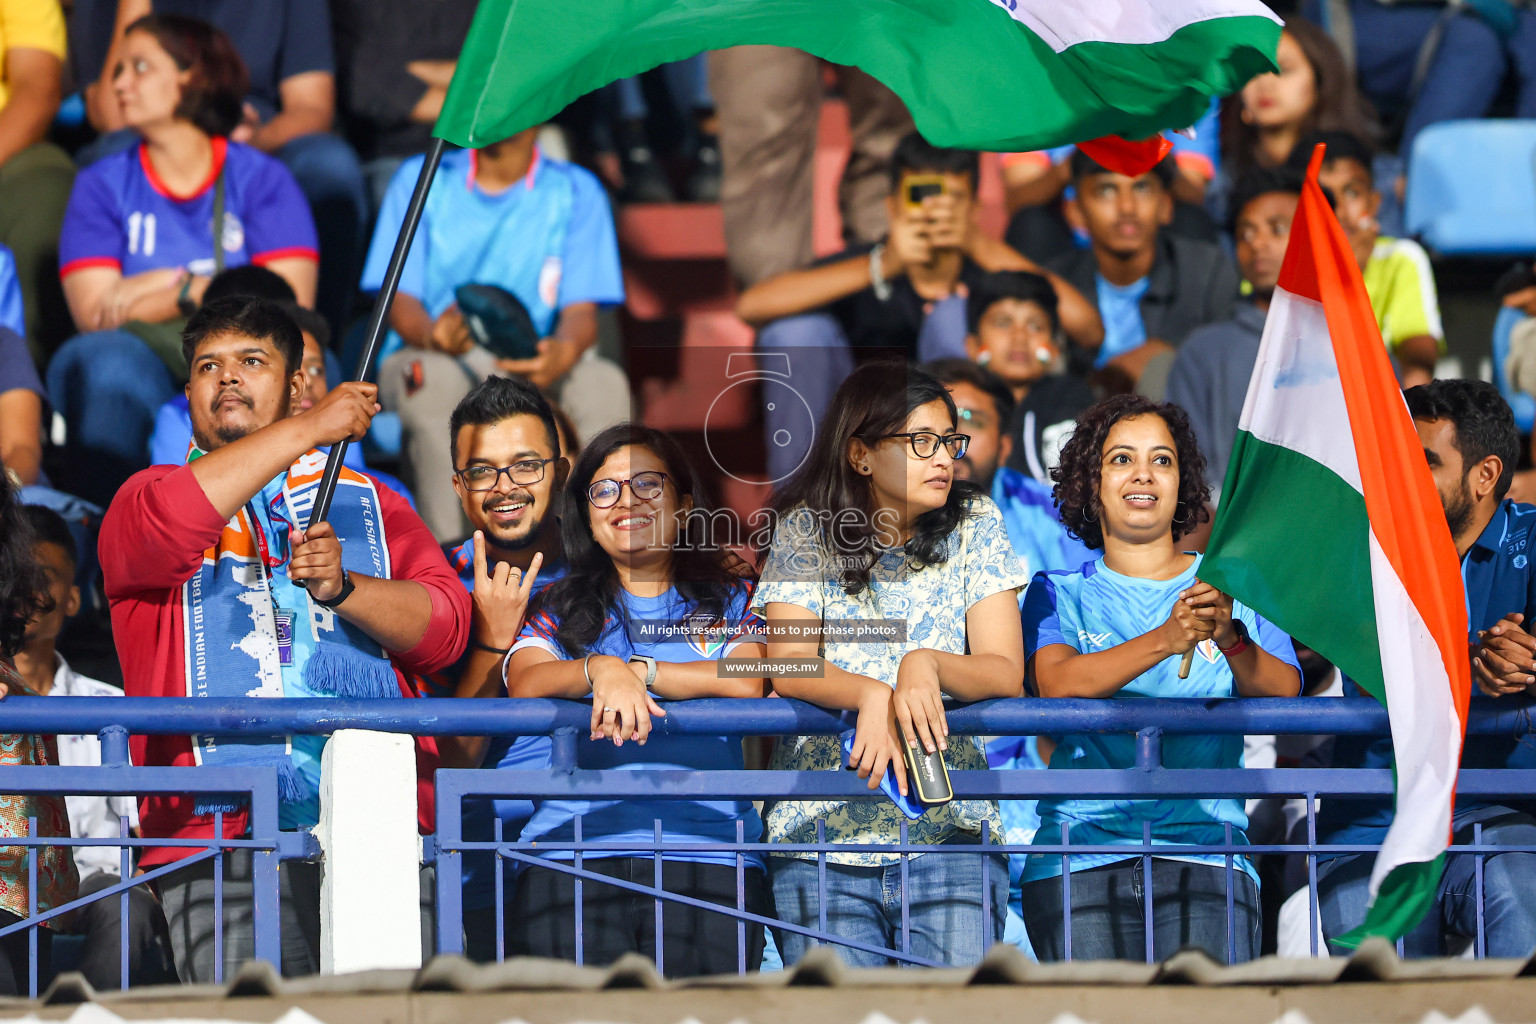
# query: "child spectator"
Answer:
x=875 y=527
x=903 y=297
x=35 y=175
x=24 y=595
x=138 y=247
x=1152 y=287
x=506 y=215
x=90 y=817
x=287 y=112
x=1313 y=91
x=1210 y=375
x=639 y=569
x=1012 y=331
x=1132 y=483
x=1397 y=273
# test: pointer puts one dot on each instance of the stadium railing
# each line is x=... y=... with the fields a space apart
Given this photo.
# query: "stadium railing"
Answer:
x=566 y=722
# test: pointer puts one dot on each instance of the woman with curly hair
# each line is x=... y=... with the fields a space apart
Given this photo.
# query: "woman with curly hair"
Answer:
x=1131 y=483
x=24 y=596
x=876 y=529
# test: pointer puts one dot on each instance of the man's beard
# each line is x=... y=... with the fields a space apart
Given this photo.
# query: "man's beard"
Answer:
x=525 y=539
x=222 y=435
x=1459 y=512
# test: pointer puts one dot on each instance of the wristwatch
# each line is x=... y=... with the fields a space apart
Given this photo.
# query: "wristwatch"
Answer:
x=1242 y=640
x=347 y=586
x=650 y=667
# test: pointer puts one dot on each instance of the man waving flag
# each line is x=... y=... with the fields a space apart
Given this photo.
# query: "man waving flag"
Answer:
x=1328 y=481
x=976 y=74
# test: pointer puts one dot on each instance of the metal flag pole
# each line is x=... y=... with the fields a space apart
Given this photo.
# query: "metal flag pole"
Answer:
x=380 y=317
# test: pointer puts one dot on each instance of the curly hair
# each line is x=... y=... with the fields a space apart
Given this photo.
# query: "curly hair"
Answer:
x=23 y=583
x=1077 y=474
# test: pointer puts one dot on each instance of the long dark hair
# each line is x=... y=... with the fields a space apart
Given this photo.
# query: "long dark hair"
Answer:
x=581 y=601
x=23 y=583
x=1337 y=103
x=213 y=99
x=1077 y=474
x=873 y=403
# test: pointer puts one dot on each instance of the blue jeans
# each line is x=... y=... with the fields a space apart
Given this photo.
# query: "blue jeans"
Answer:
x=1509 y=894
x=1189 y=908
x=331 y=178
x=944 y=906
x=108 y=386
x=819 y=359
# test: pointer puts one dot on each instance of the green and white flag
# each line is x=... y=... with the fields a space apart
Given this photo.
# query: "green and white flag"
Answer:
x=977 y=74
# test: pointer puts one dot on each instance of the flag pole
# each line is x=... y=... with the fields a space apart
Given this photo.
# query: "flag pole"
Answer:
x=380 y=316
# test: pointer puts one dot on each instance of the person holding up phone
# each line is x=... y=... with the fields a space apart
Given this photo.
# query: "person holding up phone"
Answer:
x=1131 y=483
x=875 y=538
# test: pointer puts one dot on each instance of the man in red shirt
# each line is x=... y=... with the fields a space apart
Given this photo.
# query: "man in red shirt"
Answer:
x=217 y=590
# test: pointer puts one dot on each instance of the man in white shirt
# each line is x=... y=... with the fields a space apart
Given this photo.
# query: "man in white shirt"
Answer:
x=93 y=817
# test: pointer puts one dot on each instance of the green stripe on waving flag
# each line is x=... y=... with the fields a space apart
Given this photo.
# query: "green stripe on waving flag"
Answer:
x=978 y=74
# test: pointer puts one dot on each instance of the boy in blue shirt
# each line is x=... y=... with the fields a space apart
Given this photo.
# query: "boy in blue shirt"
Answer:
x=506 y=215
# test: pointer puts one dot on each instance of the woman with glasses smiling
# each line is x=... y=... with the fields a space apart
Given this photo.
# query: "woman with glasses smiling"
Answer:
x=875 y=529
x=647 y=607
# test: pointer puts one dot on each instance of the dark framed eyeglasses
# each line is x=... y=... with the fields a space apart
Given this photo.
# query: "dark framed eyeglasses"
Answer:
x=925 y=443
x=644 y=486
x=486 y=478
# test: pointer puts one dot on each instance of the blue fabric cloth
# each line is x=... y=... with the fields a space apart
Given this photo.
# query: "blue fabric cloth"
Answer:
x=1095 y=609
x=1500 y=579
x=633 y=821
x=1120 y=308
x=12 y=316
x=549 y=240
x=1021 y=820
x=1034 y=524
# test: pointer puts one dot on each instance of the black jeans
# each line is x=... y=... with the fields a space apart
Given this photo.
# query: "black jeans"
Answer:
x=1189 y=908
x=616 y=921
x=149 y=942
x=14 y=954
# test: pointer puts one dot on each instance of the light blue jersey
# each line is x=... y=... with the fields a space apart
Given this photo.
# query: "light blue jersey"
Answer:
x=1095 y=609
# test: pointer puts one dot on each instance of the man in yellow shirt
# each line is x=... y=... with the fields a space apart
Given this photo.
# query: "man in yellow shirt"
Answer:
x=1397 y=274
x=35 y=175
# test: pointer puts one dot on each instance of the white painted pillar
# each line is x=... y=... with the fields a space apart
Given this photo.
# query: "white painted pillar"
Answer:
x=370 y=908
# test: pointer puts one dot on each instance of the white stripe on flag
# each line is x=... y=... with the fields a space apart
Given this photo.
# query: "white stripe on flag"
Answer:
x=1064 y=23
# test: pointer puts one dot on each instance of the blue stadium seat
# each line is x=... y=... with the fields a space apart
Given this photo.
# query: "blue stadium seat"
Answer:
x=1472 y=188
x=1524 y=405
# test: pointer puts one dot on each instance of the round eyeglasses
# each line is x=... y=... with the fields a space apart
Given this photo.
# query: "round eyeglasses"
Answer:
x=644 y=486
x=925 y=443
x=486 y=478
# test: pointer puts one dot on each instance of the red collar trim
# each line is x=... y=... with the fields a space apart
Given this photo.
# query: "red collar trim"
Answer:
x=220 y=150
x=472 y=178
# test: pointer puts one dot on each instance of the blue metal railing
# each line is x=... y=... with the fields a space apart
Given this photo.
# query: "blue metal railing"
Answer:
x=1149 y=720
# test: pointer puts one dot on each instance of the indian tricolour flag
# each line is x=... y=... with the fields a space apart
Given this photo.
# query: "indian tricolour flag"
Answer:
x=1330 y=527
x=979 y=74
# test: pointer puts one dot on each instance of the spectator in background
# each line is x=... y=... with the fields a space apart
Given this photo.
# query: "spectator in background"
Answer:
x=90 y=817
x=393 y=65
x=1313 y=91
x=24 y=595
x=640 y=561
x=1472 y=446
x=506 y=215
x=138 y=247
x=1013 y=327
x=1398 y=277
x=905 y=296
x=686 y=84
x=1037 y=186
x=1435 y=61
x=1132 y=483
x=875 y=527
x=1210 y=375
x=22 y=403
x=287 y=111
x=220 y=536
x=35 y=175
x=509 y=471
x=1152 y=287
x=769 y=100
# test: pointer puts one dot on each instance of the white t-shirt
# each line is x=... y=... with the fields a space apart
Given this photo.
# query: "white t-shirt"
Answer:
x=91 y=817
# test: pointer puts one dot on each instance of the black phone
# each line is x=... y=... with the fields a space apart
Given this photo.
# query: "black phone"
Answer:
x=927 y=777
x=921 y=186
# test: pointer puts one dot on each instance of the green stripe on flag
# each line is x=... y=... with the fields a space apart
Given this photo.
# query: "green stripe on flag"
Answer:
x=1278 y=559
x=971 y=75
x=1405 y=896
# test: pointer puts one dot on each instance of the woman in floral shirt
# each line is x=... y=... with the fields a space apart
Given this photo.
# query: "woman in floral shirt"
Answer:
x=875 y=529
x=23 y=594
